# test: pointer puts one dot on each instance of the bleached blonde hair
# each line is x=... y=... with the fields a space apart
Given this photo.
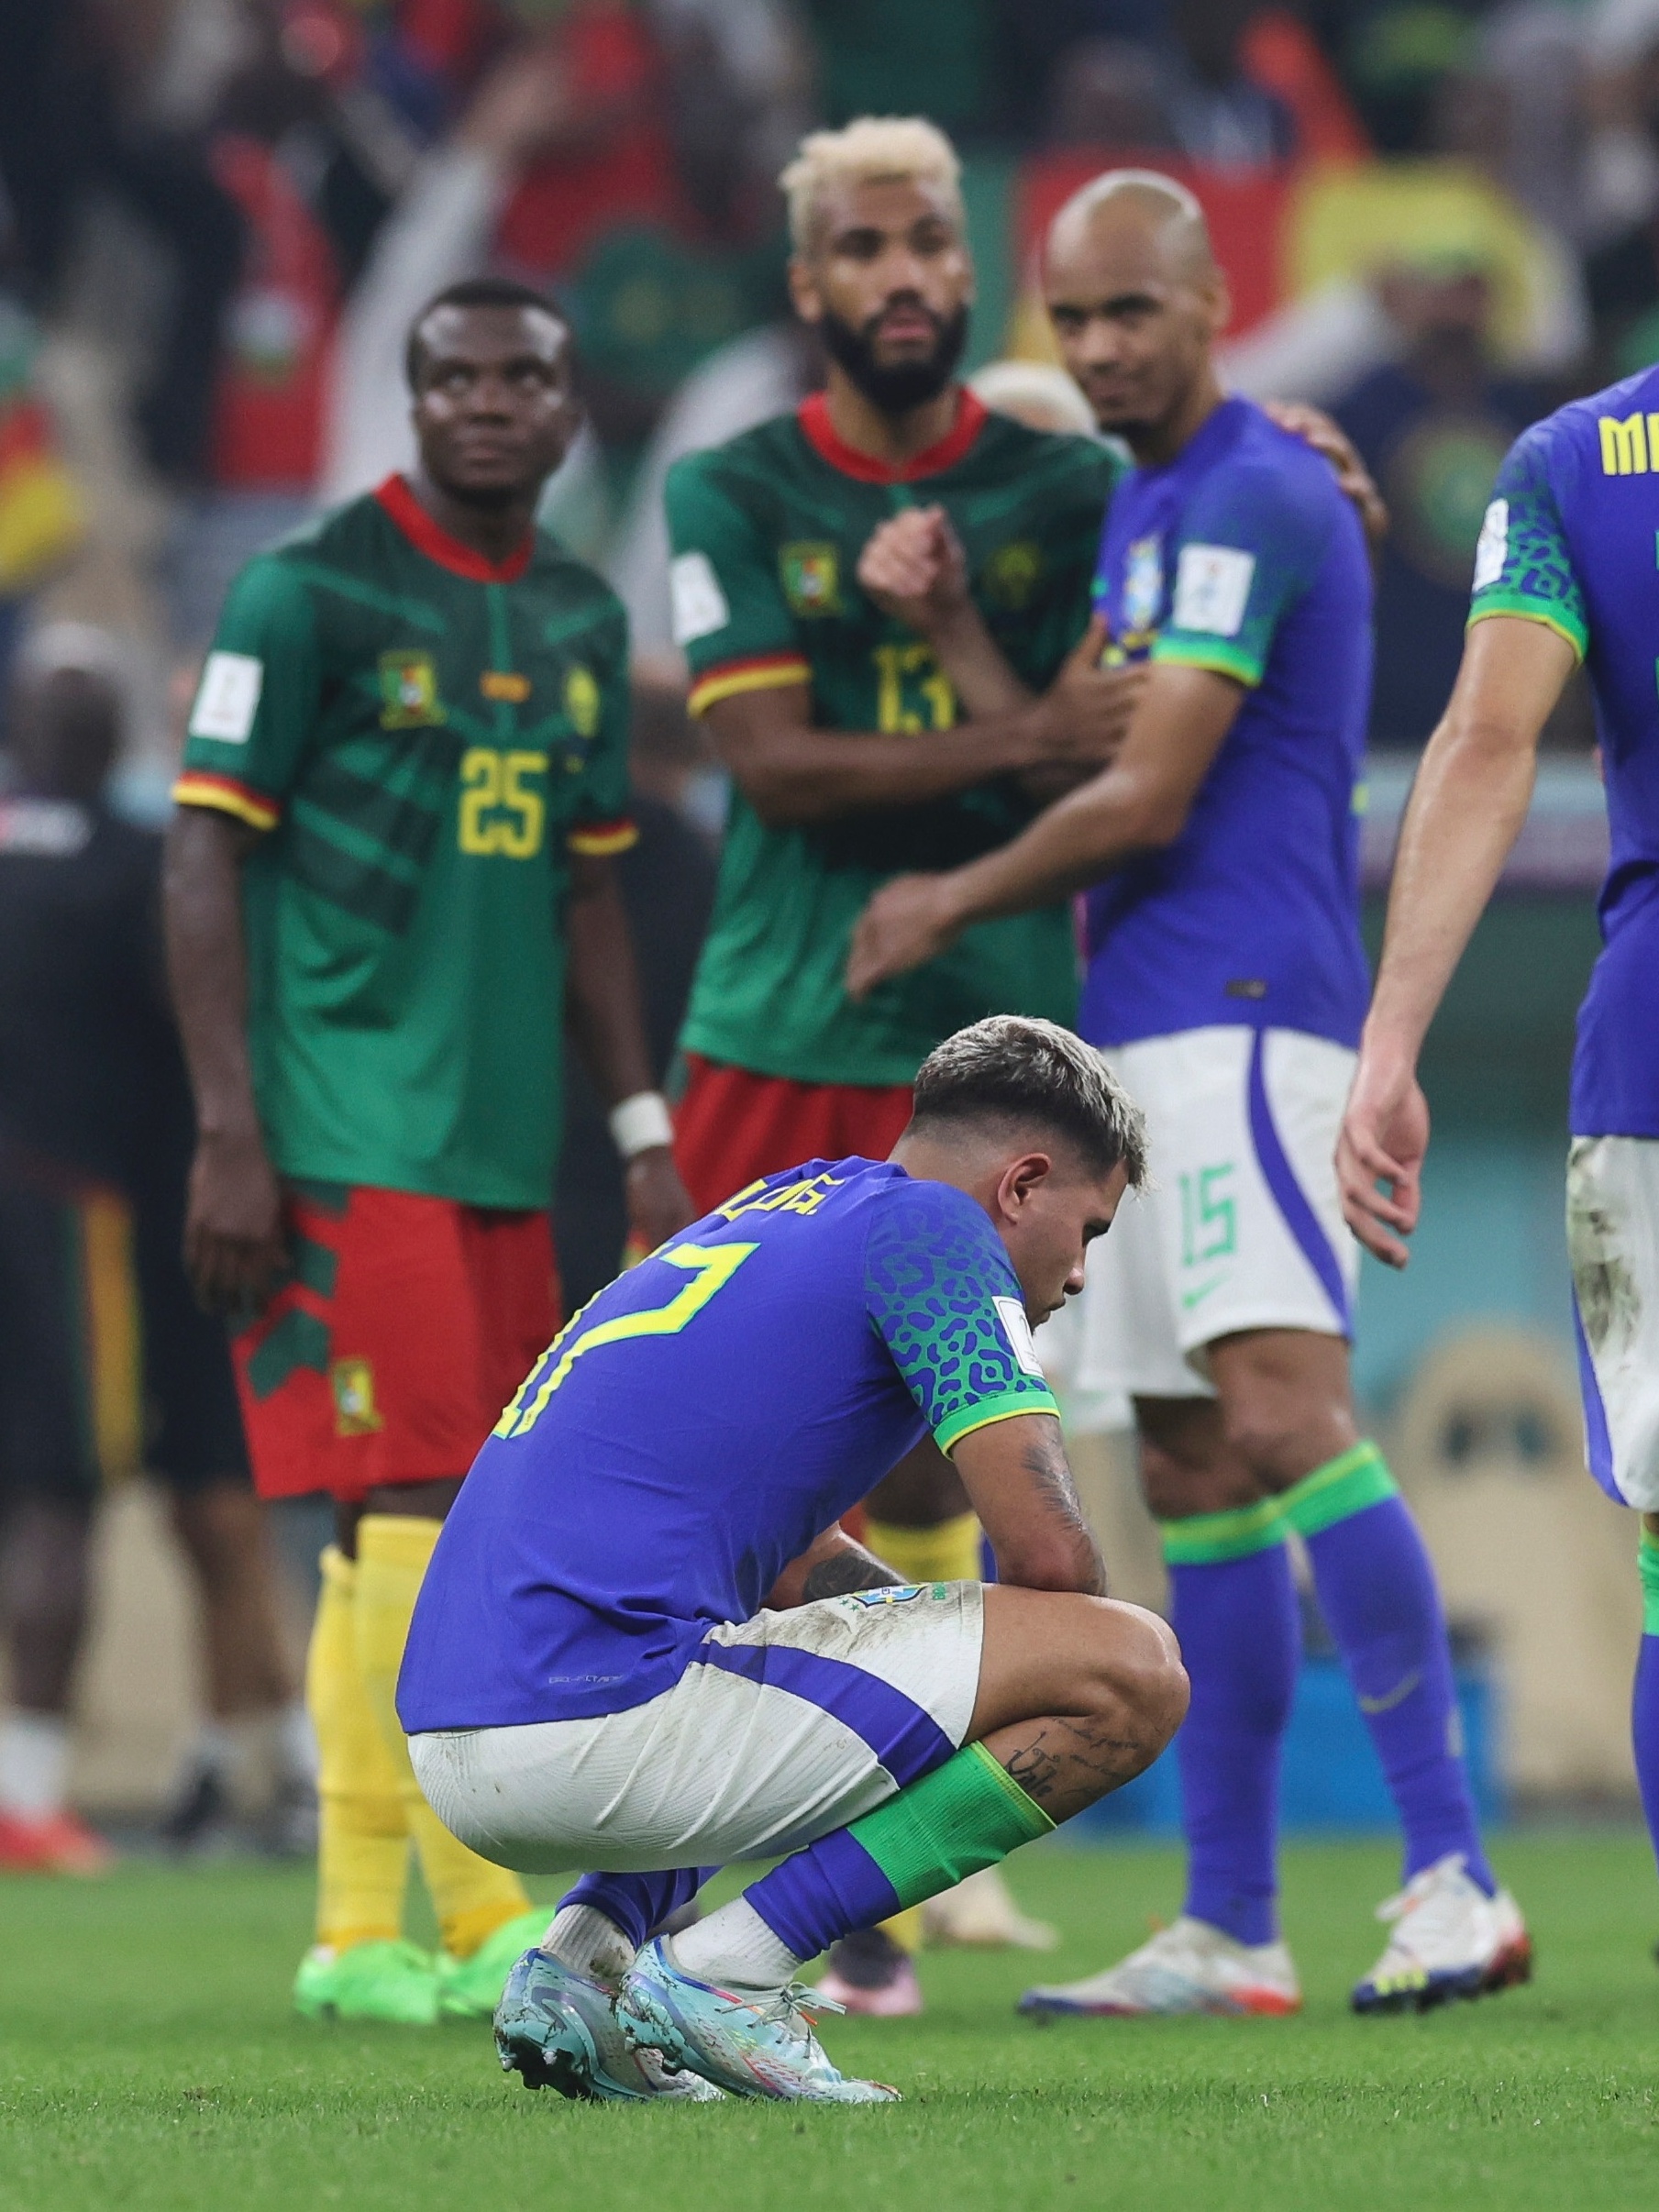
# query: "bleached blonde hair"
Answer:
x=871 y=149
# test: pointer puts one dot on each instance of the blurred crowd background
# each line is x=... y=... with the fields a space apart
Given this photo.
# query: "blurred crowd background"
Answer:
x=217 y=217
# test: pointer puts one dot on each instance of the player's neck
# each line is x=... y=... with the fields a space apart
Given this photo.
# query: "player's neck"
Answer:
x=496 y=533
x=1153 y=443
x=894 y=439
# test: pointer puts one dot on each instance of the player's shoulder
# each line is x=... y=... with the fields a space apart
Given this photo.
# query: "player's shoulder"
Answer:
x=583 y=594
x=765 y=454
x=917 y=1225
x=1607 y=433
x=1263 y=480
x=1064 y=457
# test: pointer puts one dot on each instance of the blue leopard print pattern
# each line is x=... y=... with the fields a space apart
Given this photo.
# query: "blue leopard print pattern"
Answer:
x=1537 y=576
x=933 y=1267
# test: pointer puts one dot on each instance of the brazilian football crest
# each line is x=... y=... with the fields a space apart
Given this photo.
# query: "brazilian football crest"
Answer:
x=409 y=698
x=1143 y=585
x=582 y=700
x=811 y=577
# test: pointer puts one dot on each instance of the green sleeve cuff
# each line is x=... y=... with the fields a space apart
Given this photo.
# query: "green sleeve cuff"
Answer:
x=1005 y=1406
x=1550 y=612
x=1220 y=658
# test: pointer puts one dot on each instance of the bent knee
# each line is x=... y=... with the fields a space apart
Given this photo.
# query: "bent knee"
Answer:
x=1140 y=1673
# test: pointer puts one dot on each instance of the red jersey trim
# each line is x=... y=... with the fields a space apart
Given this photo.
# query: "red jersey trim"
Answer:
x=196 y=787
x=760 y=672
x=821 y=436
x=599 y=840
x=437 y=544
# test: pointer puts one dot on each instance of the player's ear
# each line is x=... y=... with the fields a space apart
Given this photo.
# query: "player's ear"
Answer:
x=1020 y=1180
x=804 y=290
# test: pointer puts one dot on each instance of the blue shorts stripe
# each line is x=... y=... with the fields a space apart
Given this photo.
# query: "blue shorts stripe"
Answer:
x=1288 y=1195
x=905 y=1738
x=1599 y=1442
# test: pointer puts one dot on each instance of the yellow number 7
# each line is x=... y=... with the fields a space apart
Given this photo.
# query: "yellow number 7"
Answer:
x=714 y=1266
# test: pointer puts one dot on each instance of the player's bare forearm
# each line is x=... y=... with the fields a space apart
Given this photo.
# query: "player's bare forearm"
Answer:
x=1019 y=1482
x=830 y=1568
x=1466 y=812
x=1139 y=803
x=232 y=1234
x=603 y=1010
x=605 y=1015
x=794 y=775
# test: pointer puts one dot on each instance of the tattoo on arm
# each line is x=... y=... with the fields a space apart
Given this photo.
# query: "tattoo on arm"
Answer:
x=1045 y=1461
x=852 y=1568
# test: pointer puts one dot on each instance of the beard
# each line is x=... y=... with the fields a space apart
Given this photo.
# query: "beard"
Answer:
x=896 y=387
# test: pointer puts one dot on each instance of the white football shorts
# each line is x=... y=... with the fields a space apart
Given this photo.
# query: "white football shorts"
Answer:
x=1612 y=1210
x=1243 y=1228
x=782 y=1728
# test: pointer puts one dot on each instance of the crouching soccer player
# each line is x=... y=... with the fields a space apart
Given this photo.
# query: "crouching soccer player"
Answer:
x=645 y=1642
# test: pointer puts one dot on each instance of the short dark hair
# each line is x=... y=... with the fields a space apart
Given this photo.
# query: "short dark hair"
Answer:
x=1018 y=1069
x=473 y=292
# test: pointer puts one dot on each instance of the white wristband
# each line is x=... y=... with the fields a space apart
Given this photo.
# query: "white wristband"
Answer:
x=640 y=1123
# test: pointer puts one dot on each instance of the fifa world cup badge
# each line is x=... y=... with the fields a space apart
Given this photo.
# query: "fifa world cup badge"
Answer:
x=1143 y=586
x=812 y=579
x=409 y=698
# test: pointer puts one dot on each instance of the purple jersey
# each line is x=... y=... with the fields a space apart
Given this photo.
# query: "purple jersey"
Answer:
x=1242 y=556
x=1569 y=541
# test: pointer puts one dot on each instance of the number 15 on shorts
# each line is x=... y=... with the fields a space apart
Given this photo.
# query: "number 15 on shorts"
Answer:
x=1209 y=1216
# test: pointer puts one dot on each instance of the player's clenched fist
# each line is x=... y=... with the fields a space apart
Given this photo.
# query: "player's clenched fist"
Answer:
x=914 y=568
x=1085 y=715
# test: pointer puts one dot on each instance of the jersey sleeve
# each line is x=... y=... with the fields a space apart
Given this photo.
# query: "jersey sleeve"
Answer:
x=1248 y=546
x=944 y=1299
x=1522 y=565
x=603 y=824
x=257 y=701
x=731 y=618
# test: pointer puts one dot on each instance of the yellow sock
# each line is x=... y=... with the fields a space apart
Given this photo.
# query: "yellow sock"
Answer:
x=948 y=1551
x=362 y=1860
x=905 y=1930
x=471 y=1898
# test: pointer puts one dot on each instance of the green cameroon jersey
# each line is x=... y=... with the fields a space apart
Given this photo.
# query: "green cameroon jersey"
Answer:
x=423 y=738
x=767 y=534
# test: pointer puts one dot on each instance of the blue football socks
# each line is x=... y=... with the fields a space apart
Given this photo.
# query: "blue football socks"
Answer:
x=1234 y=1611
x=1377 y=1593
x=640 y=1903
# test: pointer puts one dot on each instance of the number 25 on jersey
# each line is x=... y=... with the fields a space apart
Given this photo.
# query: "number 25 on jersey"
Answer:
x=499 y=812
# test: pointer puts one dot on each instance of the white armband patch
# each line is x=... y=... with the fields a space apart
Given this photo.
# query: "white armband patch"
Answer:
x=699 y=603
x=1212 y=589
x=1017 y=1330
x=1493 y=549
x=227 y=698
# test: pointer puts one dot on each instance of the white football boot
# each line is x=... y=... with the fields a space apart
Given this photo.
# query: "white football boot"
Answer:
x=980 y=1914
x=1448 y=1939
x=1188 y=1968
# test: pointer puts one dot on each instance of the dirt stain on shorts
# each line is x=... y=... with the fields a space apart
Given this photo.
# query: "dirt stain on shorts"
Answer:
x=1609 y=1302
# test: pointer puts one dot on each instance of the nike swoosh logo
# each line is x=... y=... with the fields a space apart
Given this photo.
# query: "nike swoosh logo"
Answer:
x=1390 y=1698
x=1193 y=1298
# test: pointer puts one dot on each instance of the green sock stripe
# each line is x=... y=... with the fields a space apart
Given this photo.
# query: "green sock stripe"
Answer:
x=967 y=1815
x=1209 y=1538
x=1338 y=1491
x=1647 y=1560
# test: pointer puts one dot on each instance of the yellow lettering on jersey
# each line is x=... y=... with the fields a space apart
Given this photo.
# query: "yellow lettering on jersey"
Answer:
x=897 y=665
x=805 y=1197
x=1629 y=446
x=714 y=1266
x=498 y=812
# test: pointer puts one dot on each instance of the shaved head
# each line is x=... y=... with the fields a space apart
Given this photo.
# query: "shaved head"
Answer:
x=1137 y=303
x=1139 y=199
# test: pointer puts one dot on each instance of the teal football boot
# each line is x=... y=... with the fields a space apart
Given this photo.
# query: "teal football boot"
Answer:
x=766 y=2049
x=557 y=2029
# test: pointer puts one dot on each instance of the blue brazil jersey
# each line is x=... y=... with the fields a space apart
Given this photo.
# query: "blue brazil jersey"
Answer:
x=698 y=1425
x=1570 y=540
x=1241 y=554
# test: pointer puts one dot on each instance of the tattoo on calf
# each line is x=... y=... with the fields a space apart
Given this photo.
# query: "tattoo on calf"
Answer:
x=849 y=1570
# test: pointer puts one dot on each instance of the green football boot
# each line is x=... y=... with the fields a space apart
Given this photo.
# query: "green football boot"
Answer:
x=469 y=1990
x=385 y=1980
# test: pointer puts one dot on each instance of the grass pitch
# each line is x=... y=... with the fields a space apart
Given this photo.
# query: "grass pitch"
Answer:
x=149 y=2060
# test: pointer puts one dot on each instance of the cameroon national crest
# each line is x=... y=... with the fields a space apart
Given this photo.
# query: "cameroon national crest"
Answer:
x=811 y=577
x=409 y=698
x=582 y=700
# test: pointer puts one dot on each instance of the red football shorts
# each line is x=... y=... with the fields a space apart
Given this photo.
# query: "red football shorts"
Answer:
x=405 y=1325
x=733 y=1126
